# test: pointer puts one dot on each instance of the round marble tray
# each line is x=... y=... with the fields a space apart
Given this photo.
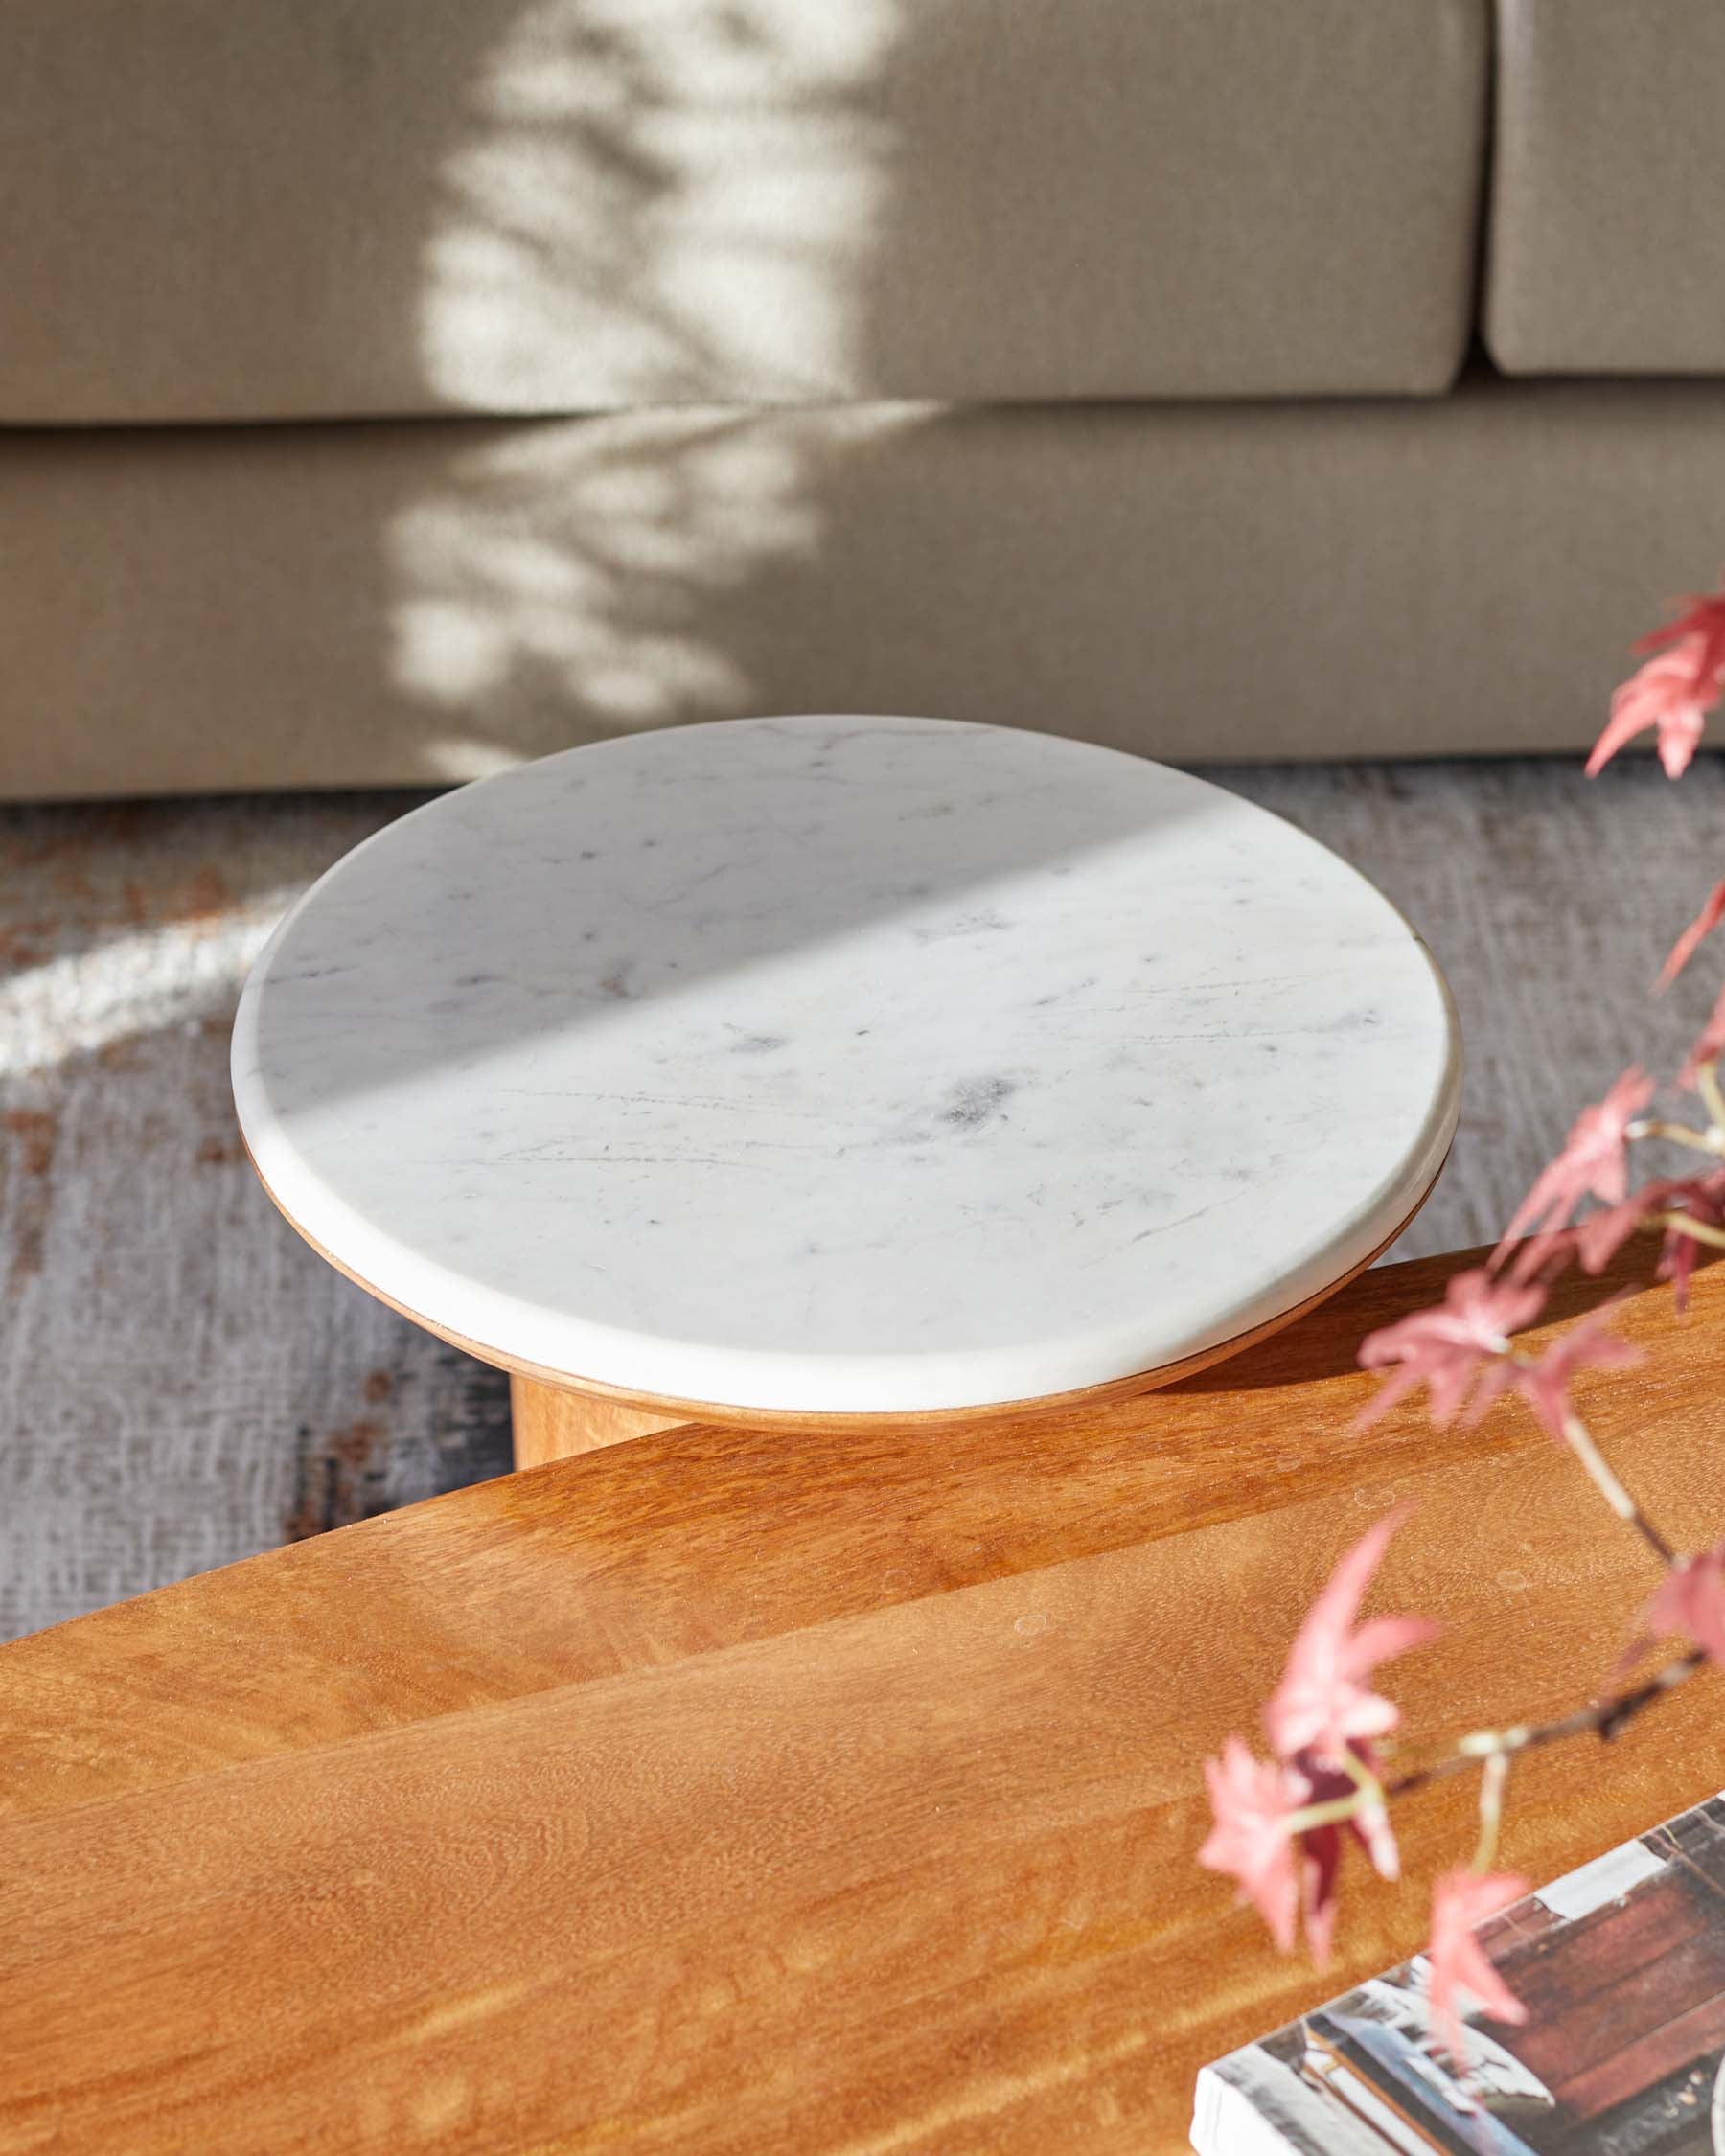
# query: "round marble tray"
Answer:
x=845 y=1066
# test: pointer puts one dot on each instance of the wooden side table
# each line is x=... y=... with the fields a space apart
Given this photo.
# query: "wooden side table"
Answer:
x=739 y=1791
x=836 y=1070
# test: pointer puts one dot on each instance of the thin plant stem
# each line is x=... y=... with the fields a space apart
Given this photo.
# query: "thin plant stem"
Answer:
x=1491 y=1808
x=1493 y=1750
x=1686 y=1224
x=1363 y=1778
x=1603 y=1718
x=1599 y=1473
x=1331 y=1814
x=1707 y=1083
x=1680 y=1133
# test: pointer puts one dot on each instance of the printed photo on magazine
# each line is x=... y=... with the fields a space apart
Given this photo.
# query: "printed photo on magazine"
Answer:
x=1622 y=1968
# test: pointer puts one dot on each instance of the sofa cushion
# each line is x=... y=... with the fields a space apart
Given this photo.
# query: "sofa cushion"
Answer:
x=1607 y=251
x=215 y=608
x=226 y=209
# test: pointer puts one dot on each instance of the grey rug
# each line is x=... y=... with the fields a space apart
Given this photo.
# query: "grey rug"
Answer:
x=184 y=1383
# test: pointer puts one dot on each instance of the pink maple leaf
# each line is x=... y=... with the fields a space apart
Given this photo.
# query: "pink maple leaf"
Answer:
x=1284 y=1872
x=1692 y=938
x=1690 y=1600
x=1602 y=1234
x=1546 y=1383
x=1323 y=1706
x=1593 y=1162
x=1704 y=1197
x=1596 y=1239
x=1710 y=1044
x=1677 y=1265
x=1668 y=694
x=1320 y=1849
x=1254 y=1802
x=1702 y=623
x=1461 y=1900
x=1457 y=1347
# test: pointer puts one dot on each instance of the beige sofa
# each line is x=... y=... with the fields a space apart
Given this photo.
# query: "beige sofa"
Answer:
x=390 y=389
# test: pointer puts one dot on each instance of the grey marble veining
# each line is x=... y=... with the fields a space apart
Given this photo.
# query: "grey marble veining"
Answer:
x=845 y=1063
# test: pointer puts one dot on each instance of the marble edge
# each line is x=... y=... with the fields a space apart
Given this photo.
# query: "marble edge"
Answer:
x=887 y=1382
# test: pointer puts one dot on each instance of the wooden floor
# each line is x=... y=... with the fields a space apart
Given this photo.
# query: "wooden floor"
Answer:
x=726 y=1792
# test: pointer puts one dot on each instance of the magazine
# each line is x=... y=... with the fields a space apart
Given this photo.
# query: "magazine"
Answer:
x=1622 y=1968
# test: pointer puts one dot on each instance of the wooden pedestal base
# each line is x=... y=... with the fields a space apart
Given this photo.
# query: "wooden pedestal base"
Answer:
x=553 y=1422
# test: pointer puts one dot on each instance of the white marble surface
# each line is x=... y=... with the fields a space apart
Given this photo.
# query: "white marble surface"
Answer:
x=845 y=1063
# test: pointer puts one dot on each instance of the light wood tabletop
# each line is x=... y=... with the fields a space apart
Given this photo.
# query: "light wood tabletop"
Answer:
x=762 y=1792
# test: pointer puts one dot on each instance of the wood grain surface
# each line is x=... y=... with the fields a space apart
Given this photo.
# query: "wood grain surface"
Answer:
x=740 y=1791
